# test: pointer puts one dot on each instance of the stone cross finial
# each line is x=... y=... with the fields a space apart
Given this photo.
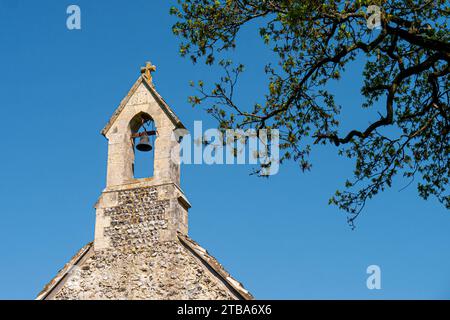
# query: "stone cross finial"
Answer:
x=147 y=70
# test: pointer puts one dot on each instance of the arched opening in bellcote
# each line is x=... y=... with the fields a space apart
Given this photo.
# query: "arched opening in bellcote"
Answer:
x=142 y=125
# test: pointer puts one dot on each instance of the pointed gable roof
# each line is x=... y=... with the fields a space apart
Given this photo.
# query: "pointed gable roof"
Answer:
x=202 y=256
x=211 y=262
x=64 y=272
x=164 y=106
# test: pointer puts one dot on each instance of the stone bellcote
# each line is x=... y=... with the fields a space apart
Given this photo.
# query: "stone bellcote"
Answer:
x=141 y=248
x=133 y=213
x=142 y=102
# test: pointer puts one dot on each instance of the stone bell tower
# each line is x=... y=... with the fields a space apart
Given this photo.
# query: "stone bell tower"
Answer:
x=126 y=199
x=141 y=249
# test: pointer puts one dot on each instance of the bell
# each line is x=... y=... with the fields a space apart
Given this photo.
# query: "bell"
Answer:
x=144 y=144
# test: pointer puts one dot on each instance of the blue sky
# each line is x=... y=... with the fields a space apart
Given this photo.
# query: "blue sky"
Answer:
x=278 y=236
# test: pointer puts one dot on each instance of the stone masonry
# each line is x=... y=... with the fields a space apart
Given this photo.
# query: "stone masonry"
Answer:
x=165 y=271
x=135 y=223
x=141 y=249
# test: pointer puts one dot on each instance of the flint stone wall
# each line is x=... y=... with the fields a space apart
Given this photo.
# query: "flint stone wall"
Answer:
x=165 y=271
x=138 y=219
x=134 y=218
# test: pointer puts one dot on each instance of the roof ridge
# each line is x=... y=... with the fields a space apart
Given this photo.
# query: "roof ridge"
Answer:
x=64 y=271
x=212 y=262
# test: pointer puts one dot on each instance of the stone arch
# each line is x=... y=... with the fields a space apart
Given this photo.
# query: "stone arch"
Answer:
x=142 y=163
x=136 y=121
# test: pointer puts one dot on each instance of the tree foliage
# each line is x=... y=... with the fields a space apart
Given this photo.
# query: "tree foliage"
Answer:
x=406 y=72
